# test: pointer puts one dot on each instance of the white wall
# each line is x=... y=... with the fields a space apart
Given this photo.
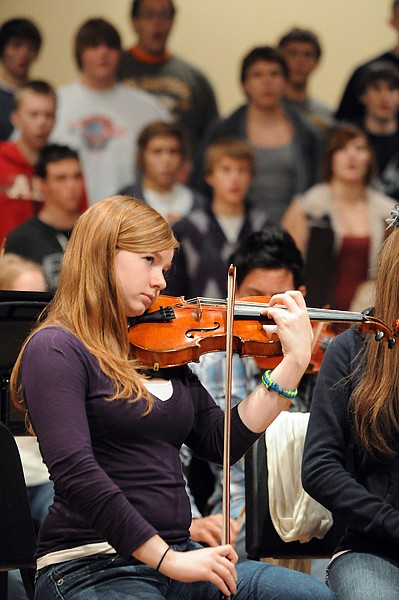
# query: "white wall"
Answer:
x=216 y=34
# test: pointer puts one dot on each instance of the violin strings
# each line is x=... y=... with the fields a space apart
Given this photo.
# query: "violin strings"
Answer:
x=252 y=308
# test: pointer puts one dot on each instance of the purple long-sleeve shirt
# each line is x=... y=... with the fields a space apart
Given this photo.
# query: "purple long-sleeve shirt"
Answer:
x=117 y=474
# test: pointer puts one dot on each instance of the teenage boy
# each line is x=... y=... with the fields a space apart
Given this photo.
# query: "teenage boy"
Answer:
x=43 y=238
x=161 y=151
x=302 y=50
x=34 y=116
x=350 y=105
x=151 y=66
x=20 y=42
x=287 y=146
x=379 y=95
x=209 y=236
x=99 y=117
x=267 y=262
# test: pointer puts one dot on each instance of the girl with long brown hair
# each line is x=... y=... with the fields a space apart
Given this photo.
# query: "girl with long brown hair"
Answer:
x=350 y=462
x=110 y=433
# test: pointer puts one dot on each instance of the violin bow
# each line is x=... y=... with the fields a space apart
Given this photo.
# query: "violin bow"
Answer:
x=231 y=287
x=3 y=246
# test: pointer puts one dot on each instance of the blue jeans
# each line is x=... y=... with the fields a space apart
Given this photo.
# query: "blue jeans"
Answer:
x=361 y=576
x=102 y=577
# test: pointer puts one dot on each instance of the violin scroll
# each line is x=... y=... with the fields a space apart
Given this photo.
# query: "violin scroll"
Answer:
x=380 y=329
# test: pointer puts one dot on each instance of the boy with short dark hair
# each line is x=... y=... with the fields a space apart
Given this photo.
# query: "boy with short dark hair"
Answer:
x=209 y=236
x=99 y=117
x=44 y=238
x=267 y=262
x=301 y=49
x=34 y=116
x=286 y=145
x=350 y=104
x=151 y=66
x=20 y=42
x=378 y=92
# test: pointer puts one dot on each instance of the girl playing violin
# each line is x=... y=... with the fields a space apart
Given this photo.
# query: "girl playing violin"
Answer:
x=350 y=461
x=110 y=435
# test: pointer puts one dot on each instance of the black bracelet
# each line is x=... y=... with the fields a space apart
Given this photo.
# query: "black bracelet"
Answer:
x=162 y=557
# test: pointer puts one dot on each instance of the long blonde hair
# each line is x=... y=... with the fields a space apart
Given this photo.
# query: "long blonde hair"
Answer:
x=88 y=302
x=375 y=401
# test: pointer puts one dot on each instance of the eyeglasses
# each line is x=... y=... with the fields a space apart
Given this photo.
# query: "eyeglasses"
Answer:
x=150 y=15
x=304 y=53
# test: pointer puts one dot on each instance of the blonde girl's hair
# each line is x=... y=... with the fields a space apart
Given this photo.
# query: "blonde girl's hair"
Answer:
x=88 y=301
x=374 y=403
x=13 y=266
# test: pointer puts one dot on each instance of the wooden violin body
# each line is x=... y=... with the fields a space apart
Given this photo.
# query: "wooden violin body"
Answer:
x=186 y=329
x=196 y=329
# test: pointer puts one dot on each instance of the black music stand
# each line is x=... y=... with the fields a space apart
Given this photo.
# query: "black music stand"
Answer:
x=18 y=313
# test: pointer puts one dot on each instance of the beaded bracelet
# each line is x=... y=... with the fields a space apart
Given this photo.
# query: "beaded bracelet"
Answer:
x=162 y=557
x=274 y=387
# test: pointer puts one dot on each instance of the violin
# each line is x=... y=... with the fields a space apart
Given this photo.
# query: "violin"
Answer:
x=186 y=329
x=323 y=333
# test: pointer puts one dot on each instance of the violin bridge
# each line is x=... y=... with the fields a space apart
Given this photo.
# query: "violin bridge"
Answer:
x=199 y=309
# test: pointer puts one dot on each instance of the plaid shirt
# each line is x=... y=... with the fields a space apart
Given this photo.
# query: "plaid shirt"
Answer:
x=211 y=370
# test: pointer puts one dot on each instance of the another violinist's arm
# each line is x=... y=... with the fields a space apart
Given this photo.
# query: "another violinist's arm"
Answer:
x=294 y=221
x=262 y=406
x=209 y=530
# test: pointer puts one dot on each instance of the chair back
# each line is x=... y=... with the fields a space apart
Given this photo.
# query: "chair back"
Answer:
x=262 y=539
x=18 y=313
x=17 y=534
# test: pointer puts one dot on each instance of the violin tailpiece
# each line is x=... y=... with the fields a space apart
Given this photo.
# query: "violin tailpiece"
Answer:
x=163 y=314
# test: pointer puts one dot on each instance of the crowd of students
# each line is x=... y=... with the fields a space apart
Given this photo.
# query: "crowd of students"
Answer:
x=104 y=117
x=284 y=174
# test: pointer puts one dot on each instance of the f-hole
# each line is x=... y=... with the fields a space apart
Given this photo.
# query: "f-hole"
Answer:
x=190 y=332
